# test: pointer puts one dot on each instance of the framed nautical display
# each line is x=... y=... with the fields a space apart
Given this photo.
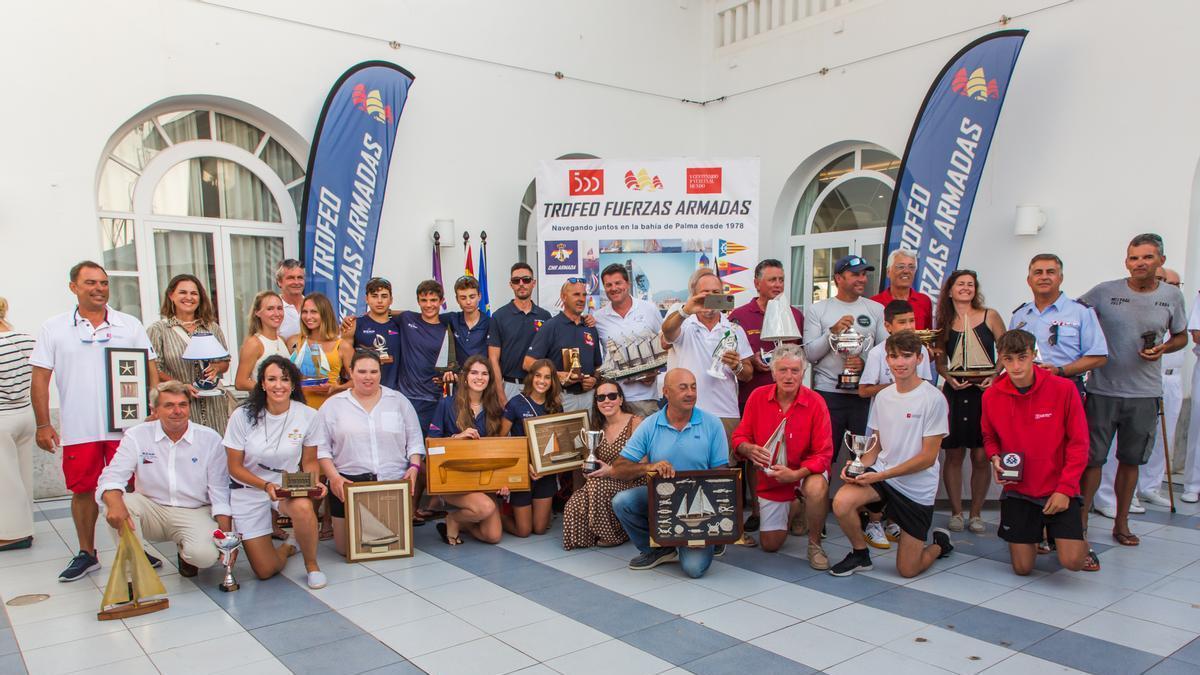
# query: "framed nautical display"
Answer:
x=378 y=520
x=488 y=464
x=127 y=390
x=696 y=508
x=556 y=441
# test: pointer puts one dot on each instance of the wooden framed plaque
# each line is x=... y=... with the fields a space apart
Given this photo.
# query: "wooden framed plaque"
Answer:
x=556 y=441
x=696 y=508
x=457 y=465
x=378 y=520
x=127 y=373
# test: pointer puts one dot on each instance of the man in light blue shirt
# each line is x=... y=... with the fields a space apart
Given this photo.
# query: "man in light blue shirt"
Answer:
x=680 y=437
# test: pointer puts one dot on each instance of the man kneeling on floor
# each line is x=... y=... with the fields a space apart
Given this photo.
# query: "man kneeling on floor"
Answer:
x=909 y=419
x=182 y=481
x=680 y=437
x=1033 y=423
x=807 y=447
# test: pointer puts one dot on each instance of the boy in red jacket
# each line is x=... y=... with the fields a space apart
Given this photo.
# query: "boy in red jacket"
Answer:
x=1033 y=423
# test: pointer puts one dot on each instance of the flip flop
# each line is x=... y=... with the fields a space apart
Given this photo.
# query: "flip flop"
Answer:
x=1126 y=539
x=1091 y=562
x=427 y=514
x=1045 y=547
x=441 y=528
x=325 y=534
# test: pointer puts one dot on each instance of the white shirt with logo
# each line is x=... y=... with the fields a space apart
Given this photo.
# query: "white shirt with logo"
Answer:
x=694 y=351
x=190 y=473
x=274 y=444
x=877 y=371
x=80 y=371
x=903 y=422
x=643 y=317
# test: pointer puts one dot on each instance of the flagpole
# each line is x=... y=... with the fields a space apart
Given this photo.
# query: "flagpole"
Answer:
x=484 y=298
x=437 y=260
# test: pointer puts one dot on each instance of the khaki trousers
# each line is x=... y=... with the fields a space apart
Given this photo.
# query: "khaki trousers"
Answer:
x=16 y=473
x=190 y=529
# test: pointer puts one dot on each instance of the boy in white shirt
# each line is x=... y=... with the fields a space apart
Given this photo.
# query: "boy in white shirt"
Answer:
x=909 y=420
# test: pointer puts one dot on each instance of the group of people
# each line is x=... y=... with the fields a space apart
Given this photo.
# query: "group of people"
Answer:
x=1066 y=383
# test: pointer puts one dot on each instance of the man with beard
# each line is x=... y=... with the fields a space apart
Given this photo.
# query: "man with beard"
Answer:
x=902 y=265
x=511 y=331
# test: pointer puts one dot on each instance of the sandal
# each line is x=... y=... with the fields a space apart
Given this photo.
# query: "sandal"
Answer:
x=325 y=534
x=427 y=514
x=279 y=535
x=1126 y=539
x=441 y=528
x=1045 y=547
x=1091 y=562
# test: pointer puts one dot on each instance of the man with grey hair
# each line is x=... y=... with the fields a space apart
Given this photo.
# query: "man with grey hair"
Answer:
x=901 y=269
x=182 y=481
x=289 y=276
x=1123 y=394
x=785 y=433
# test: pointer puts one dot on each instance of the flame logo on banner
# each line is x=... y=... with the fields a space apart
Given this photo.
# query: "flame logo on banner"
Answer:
x=371 y=102
x=642 y=181
x=976 y=86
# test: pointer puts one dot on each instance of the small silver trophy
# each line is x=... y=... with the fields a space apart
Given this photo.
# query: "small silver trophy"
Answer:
x=228 y=543
x=859 y=446
x=380 y=345
x=727 y=343
x=590 y=440
x=849 y=343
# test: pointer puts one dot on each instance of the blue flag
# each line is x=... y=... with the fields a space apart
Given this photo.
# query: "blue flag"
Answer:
x=485 y=302
x=944 y=159
x=347 y=176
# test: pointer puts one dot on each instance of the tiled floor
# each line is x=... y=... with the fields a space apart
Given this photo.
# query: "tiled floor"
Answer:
x=528 y=606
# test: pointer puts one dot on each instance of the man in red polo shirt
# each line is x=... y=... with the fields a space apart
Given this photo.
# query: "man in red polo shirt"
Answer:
x=807 y=443
x=1031 y=414
x=902 y=265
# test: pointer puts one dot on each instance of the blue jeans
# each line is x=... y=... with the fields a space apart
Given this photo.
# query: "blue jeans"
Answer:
x=631 y=508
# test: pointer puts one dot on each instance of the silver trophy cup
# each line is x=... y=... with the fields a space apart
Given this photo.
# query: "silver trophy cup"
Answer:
x=849 y=343
x=727 y=343
x=228 y=545
x=590 y=440
x=859 y=446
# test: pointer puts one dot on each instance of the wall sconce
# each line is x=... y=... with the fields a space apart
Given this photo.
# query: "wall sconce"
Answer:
x=446 y=234
x=1030 y=220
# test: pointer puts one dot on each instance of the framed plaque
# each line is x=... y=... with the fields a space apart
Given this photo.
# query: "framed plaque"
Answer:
x=128 y=378
x=556 y=441
x=378 y=520
x=457 y=465
x=696 y=508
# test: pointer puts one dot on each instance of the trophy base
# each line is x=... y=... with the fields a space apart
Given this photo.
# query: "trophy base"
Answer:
x=1010 y=476
x=717 y=374
x=209 y=392
x=854 y=469
x=848 y=381
x=311 y=493
x=313 y=381
x=229 y=588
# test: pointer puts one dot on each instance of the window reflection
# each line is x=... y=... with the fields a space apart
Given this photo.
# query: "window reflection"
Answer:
x=210 y=187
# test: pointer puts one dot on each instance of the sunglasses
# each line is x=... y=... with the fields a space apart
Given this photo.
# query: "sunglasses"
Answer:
x=520 y=280
x=608 y=397
x=576 y=280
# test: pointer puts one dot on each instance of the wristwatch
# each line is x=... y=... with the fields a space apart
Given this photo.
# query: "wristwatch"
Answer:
x=1060 y=371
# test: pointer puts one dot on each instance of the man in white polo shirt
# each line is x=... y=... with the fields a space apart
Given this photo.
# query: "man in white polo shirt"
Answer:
x=71 y=346
x=625 y=317
x=290 y=278
x=182 y=481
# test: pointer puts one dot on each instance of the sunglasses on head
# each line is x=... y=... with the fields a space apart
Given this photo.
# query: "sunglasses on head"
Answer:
x=576 y=280
x=520 y=280
x=608 y=397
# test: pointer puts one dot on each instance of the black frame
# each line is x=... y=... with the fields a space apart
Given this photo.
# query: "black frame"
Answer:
x=116 y=423
x=670 y=519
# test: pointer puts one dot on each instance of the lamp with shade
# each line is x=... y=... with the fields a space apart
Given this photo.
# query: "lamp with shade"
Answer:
x=202 y=350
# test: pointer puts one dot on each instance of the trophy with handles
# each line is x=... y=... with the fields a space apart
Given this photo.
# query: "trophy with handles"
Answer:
x=859 y=446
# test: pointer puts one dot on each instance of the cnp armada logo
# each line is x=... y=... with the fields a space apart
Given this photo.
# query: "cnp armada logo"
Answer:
x=704 y=180
x=643 y=181
x=585 y=182
x=562 y=257
x=975 y=86
x=371 y=102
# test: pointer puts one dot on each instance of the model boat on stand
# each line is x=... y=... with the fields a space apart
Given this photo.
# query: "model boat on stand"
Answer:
x=969 y=360
x=635 y=355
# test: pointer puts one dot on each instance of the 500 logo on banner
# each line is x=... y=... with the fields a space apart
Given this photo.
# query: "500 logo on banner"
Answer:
x=660 y=219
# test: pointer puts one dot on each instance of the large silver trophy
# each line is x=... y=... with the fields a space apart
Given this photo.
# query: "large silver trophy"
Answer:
x=779 y=325
x=727 y=343
x=850 y=343
x=228 y=543
x=590 y=440
x=859 y=446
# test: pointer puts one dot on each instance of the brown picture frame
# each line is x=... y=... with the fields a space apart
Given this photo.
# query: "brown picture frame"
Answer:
x=696 y=508
x=381 y=510
x=550 y=433
x=457 y=465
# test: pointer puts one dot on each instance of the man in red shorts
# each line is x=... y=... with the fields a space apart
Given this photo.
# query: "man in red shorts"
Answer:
x=1033 y=421
x=71 y=346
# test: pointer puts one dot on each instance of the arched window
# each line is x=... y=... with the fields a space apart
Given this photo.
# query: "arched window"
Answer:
x=842 y=209
x=207 y=188
x=527 y=241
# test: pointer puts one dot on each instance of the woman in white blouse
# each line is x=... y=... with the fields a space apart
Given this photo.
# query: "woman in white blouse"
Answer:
x=269 y=434
x=366 y=433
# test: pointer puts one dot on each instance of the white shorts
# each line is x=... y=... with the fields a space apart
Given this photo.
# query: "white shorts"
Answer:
x=251 y=512
x=772 y=516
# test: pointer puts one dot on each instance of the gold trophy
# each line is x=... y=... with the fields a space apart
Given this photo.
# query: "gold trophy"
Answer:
x=570 y=359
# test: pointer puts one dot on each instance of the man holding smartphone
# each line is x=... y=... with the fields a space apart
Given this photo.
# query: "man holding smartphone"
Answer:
x=1036 y=436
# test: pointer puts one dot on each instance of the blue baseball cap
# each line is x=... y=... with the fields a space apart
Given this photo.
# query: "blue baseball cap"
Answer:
x=852 y=263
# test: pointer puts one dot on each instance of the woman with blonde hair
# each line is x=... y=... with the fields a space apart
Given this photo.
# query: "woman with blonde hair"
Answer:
x=319 y=349
x=262 y=338
x=16 y=437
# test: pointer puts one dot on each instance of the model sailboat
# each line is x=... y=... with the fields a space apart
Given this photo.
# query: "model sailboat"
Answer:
x=552 y=452
x=777 y=445
x=969 y=359
x=698 y=511
x=133 y=586
x=374 y=532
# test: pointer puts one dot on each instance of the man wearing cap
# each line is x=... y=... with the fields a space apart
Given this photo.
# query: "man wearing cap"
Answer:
x=846 y=310
x=901 y=267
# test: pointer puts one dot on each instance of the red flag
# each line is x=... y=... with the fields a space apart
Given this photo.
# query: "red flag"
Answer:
x=470 y=268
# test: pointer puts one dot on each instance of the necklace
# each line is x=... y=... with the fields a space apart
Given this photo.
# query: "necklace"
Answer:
x=278 y=437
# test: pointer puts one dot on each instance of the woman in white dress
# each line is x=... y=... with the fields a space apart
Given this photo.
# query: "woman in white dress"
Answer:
x=262 y=340
x=269 y=434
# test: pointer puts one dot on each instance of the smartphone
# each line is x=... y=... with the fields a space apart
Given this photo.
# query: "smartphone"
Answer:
x=718 y=301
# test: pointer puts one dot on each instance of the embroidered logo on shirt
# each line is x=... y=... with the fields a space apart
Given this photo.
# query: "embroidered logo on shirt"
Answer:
x=587 y=340
x=195 y=459
x=295 y=435
x=148 y=456
x=537 y=324
x=1042 y=416
x=913 y=416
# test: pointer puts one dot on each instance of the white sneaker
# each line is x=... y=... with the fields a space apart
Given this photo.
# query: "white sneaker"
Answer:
x=1107 y=511
x=1135 y=506
x=317 y=580
x=893 y=532
x=1190 y=497
x=1154 y=497
x=876 y=537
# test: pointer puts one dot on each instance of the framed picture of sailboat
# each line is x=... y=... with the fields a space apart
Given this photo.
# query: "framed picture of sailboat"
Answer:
x=556 y=441
x=378 y=520
x=696 y=508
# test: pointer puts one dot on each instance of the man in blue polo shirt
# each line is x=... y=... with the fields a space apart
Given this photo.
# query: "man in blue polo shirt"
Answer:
x=469 y=326
x=421 y=336
x=511 y=331
x=680 y=437
x=378 y=331
x=568 y=331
